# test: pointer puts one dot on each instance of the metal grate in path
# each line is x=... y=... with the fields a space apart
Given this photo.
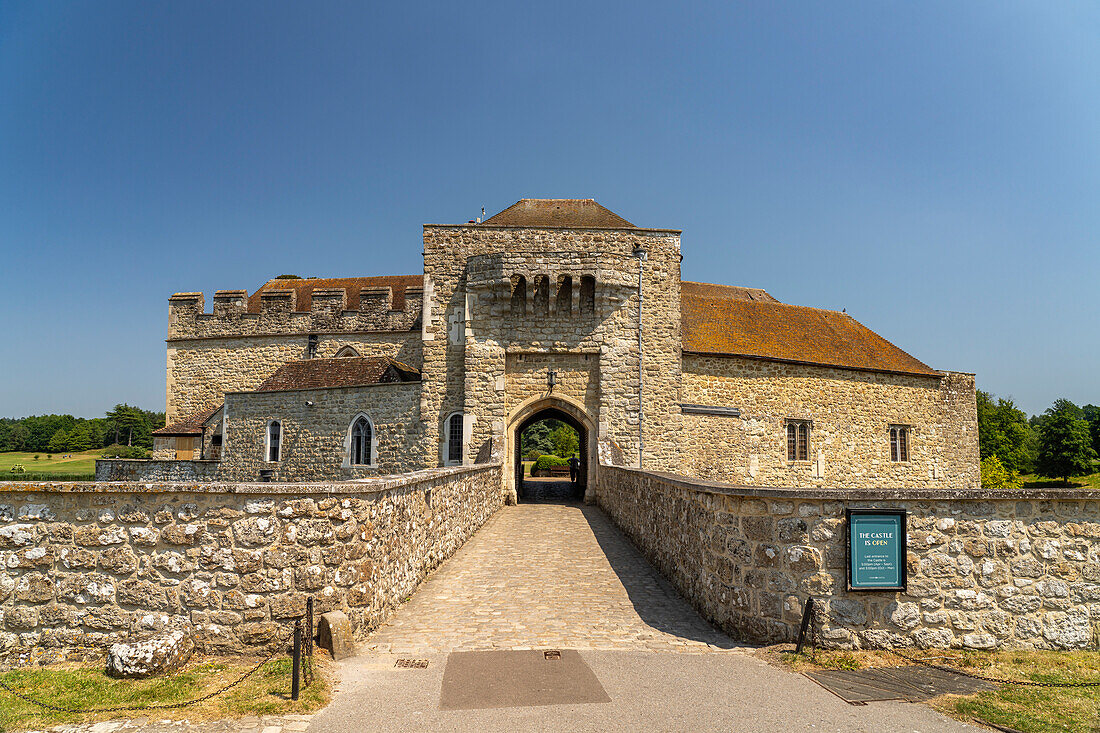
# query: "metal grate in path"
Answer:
x=861 y=686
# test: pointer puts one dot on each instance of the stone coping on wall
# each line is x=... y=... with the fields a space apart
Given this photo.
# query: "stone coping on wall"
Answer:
x=354 y=486
x=883 y=494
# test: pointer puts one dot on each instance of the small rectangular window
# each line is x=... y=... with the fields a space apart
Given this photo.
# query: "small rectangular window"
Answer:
x=798 y=440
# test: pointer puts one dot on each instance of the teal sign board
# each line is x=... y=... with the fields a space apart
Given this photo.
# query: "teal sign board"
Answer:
x=876 y=549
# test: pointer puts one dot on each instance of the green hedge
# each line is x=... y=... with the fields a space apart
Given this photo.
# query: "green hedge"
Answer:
x=546 y=462
x=124 y=451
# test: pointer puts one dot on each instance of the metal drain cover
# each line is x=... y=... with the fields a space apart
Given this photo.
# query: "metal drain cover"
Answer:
x=412 y=663
x=552 y=654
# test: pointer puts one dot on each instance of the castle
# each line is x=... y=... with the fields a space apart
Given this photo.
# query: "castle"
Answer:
x=551 y=308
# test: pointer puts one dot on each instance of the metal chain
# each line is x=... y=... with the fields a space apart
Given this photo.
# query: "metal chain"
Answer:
x=155 y=706
x=988 y=678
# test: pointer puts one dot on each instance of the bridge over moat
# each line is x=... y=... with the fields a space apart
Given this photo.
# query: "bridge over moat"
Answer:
x=546 y=575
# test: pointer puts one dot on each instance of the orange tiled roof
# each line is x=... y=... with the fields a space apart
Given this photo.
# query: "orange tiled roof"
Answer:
x=352 y=285
x=347 y=371
x=191 y=424
x=722 y=320
x=559 y=213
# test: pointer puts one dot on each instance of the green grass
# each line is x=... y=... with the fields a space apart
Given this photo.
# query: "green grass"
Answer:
x=80 y=465
x=1031 y=481
x=267 y=692
x=1028 y=709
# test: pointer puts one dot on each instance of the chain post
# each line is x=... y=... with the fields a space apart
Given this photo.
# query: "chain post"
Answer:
x=297 y=663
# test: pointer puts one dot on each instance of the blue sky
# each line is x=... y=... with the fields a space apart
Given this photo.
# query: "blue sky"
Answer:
x=933 y=168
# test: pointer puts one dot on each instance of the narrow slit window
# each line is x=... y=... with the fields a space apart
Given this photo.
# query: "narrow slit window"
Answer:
x=899 y=443
x=274 y=439
x=454 y=438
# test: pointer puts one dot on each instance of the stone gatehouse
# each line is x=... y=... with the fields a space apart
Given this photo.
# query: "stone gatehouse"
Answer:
x=551 y=307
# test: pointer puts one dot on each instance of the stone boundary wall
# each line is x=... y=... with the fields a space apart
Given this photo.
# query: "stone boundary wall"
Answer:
x=84 y=564
x=987 y=570
x=125 y=469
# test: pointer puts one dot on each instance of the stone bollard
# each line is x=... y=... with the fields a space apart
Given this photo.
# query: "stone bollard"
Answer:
x=335 y=634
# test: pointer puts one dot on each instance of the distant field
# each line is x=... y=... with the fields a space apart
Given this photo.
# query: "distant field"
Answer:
x=81 y=464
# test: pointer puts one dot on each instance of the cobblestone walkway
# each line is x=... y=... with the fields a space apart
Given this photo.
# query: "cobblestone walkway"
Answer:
x=265 y=724
x=546 y=576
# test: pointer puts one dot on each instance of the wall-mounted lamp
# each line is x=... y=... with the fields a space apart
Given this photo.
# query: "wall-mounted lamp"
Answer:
x=551 y=379
x=309 y=403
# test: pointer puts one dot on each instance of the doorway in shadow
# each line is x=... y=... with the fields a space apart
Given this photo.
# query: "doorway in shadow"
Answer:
x=558 y=434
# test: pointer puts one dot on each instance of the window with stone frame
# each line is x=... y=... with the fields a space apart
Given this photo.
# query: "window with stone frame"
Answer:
x=798 y=440
x=454 y=439
x=899 y=443
x=362 y=438
x=274 y=440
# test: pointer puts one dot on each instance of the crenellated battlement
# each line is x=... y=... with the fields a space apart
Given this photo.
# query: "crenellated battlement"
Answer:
x=299 y=309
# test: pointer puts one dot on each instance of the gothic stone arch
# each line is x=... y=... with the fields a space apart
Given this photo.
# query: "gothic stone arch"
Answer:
x=553 y=406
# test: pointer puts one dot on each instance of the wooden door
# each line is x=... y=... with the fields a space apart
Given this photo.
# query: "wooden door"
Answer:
x=185 y=449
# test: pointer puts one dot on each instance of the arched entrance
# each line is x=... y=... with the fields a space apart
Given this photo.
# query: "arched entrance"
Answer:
x=571 y=414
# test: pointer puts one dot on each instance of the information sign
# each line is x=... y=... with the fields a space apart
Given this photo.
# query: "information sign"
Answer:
x=876 y=549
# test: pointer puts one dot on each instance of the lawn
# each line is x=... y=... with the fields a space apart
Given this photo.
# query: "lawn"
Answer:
x=1019 y=707
x=267 y=692
x=1031 y=481
x=79 y=465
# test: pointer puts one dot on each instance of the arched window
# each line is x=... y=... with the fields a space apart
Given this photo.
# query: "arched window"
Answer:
x=588 y=295
x=542 y=295
x=563 y=303
x=519 y=295
x=452 y=436
x=798 y=440
x=347 y=351
x=899 y=443
x=274 y=440
x=362 y=442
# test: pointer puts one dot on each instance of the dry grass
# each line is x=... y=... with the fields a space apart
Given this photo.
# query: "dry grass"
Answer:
x=1021 y=707
x=267 y=692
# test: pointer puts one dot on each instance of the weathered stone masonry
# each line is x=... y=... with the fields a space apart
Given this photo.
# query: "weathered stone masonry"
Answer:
x=986 y=569
x=84 y=564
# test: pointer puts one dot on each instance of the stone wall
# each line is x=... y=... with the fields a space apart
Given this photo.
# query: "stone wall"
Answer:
x=986 y=570
x=851 y=413
x=84 y=564
x=201 y=371
x=316 y=425
x=122 y=469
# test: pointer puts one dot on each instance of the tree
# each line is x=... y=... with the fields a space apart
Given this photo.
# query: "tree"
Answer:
x=1092 y=417
x=537 y=436
x=59 y=442
x=1004 y=432
x=1065 y=444
x=996 y=476
x=130 y=422
x=565 y=441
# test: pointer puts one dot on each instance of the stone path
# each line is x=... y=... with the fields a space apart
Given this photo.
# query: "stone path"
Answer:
x=546 y=576
x=252 y=724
